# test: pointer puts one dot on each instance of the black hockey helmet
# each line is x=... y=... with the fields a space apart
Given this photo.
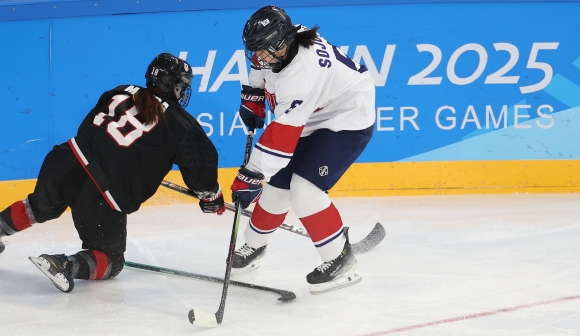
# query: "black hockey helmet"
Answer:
x=269 y=29
x=167 y=72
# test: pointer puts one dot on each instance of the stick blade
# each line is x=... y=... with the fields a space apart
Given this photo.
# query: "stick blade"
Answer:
x=203 y=319
x=374 y=238
x=287 y=296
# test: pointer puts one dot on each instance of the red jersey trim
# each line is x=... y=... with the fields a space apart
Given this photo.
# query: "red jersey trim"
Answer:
x=83 y=161
x=282 y=138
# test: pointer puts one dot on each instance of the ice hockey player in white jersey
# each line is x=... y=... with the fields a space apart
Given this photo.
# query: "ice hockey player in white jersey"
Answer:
x=324 y=106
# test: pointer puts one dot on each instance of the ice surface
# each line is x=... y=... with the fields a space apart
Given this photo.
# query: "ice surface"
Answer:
x=449 y=265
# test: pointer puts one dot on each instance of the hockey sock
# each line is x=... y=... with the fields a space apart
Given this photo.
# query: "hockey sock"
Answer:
x=268 y=215
x=16 y=217
x=325 y=230
x=95 y=265
x=261 y=226
x=319 y=217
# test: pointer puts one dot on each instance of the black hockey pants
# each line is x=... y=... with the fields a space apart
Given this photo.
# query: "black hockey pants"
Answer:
x=63 y=182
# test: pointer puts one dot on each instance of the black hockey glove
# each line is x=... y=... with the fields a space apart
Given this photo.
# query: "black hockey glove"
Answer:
x=247 y=187
x=253 y=107
x=212 y=202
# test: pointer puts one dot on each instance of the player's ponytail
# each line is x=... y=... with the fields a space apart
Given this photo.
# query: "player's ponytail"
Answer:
x=306 y=38
x=149 y=107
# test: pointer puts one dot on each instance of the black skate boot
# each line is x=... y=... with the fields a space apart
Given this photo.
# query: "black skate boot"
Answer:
x=57 y=268
x=247 y=259
x=335 y=274
x=2 y=234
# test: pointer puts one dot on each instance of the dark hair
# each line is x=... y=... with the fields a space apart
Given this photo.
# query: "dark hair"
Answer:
x=307 y=37
x=149 y=107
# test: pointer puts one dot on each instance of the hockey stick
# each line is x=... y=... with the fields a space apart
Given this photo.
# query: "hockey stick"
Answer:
x=285 y=296
x=367 y=243
x=202 y=318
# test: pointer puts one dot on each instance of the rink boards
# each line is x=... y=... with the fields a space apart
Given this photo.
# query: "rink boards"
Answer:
x=400 y=179
x=471 y=97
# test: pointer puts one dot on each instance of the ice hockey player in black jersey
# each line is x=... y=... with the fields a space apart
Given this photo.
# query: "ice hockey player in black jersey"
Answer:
x=122 y=151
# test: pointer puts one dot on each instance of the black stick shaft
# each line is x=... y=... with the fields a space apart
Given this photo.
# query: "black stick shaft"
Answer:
x=365 y=245
x=219 y=315
x=284 y=294
x=232 y=207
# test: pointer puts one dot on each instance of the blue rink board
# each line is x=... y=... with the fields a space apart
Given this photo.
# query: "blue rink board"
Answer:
x=440 y=93
x=43 y=9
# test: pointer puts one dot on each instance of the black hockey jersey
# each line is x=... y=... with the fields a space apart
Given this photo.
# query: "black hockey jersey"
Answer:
x=127 y=160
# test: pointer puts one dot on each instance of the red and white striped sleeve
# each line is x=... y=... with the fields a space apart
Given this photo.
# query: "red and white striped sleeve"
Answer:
x=276 y=146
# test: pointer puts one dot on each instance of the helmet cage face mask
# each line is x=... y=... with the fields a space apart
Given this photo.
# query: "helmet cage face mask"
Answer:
x=273 y=53
x=167 y=72
x=184 y=83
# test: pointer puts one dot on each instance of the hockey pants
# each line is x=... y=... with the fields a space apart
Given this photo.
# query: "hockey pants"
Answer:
x=62 y=182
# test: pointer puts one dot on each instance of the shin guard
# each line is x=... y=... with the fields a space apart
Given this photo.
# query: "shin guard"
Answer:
x=319 y=217
x=261 y=226
x=268 y=215
x=326 y=231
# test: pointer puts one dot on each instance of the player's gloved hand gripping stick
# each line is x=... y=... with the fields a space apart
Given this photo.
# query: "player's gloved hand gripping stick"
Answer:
x=253 y=106
x=247 y=187
x=212 y=202
x=202 y=318
x=366 y=244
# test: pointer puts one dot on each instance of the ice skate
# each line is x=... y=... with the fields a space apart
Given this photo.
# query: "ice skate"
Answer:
x=55 y=268
x=247 y=259
x=2 y=246
x=335 y=274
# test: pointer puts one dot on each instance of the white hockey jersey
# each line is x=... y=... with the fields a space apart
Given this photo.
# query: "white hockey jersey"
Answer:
x=321 y=88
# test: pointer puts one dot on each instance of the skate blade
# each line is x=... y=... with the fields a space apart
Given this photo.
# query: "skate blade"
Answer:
x=59 y=280
x=252 y=266
x=350 y=278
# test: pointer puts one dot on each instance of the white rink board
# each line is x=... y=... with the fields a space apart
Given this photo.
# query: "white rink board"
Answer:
x=510 y=264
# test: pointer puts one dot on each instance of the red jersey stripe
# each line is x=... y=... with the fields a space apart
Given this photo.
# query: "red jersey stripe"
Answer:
x=283 y=138
x=83 y=161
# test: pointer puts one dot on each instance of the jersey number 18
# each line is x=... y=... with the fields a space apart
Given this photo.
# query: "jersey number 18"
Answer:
x=114 y=127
